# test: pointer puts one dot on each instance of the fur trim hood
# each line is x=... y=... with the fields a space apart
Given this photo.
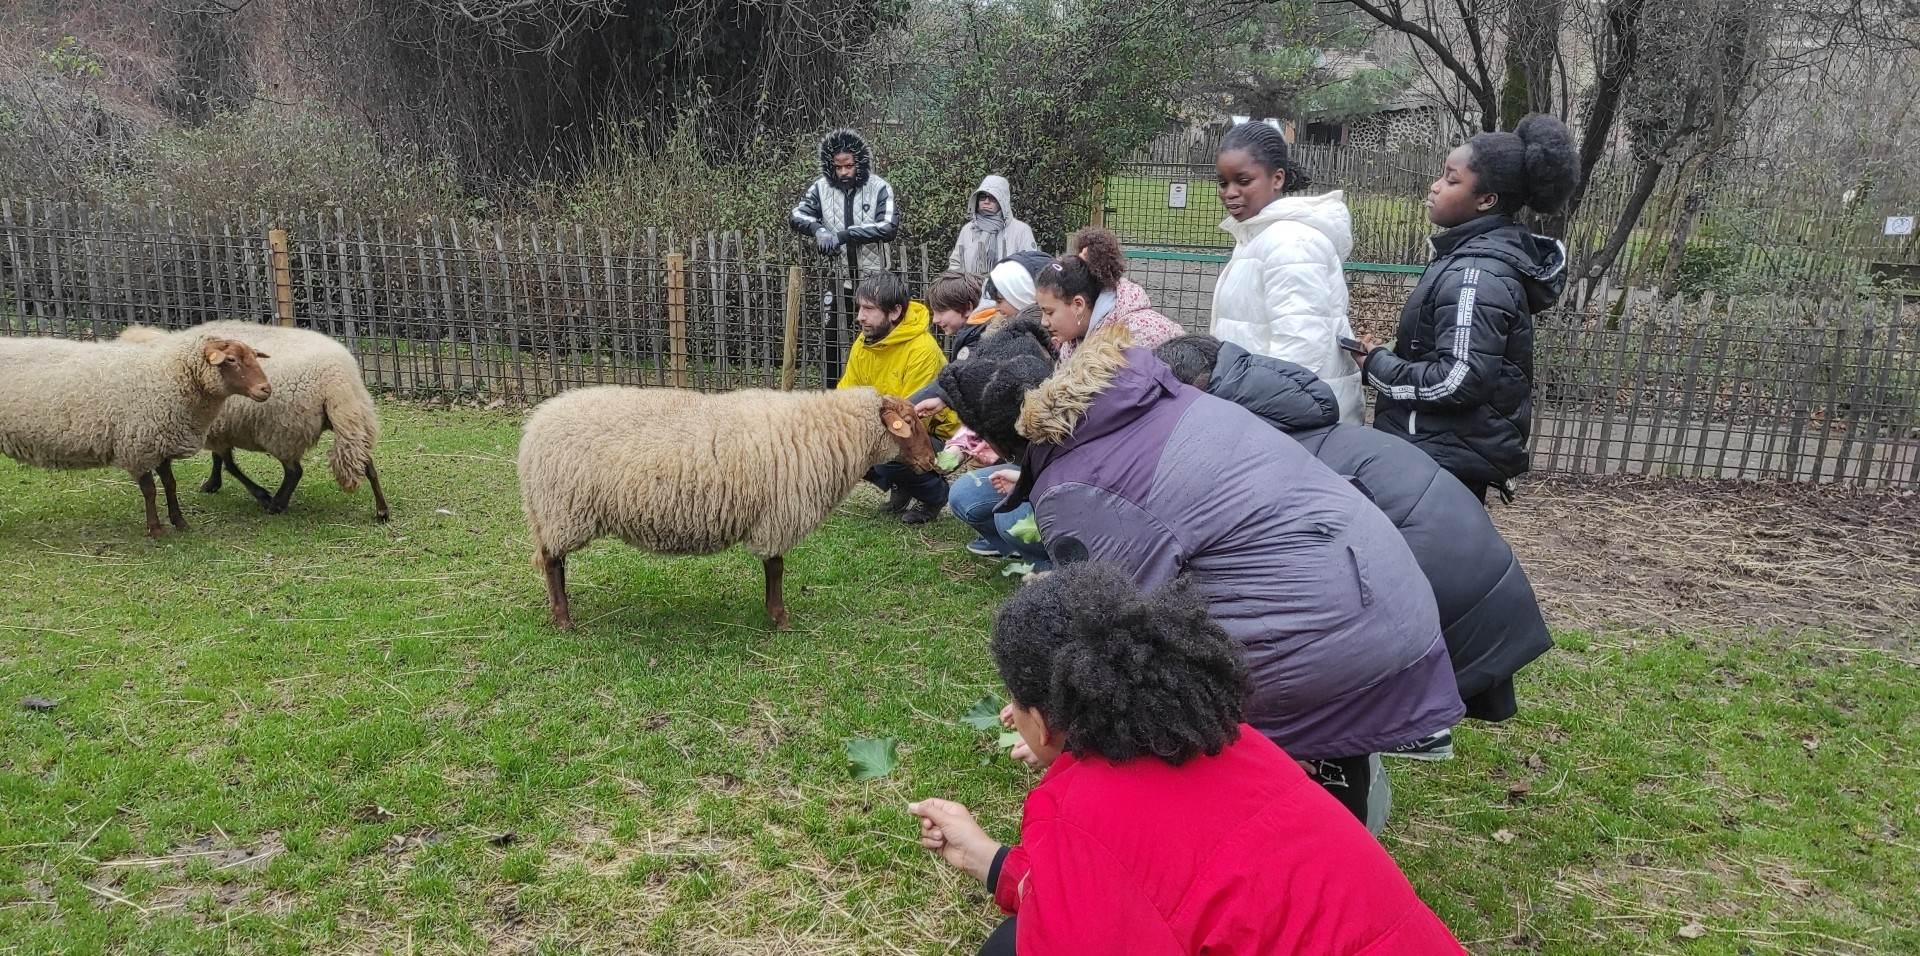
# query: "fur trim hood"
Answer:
x=846 y=141
x=1056 y=408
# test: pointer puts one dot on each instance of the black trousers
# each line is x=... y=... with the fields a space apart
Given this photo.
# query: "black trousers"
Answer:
x=1000 y=943
x=1359 y=783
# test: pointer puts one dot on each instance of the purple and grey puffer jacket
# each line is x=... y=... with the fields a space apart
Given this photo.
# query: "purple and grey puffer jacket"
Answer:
x=1341 y=634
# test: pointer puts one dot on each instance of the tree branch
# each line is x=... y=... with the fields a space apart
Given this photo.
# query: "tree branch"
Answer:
x=1395 y=21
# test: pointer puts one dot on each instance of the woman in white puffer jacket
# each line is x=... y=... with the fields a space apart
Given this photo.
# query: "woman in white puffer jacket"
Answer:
x=1284 y=292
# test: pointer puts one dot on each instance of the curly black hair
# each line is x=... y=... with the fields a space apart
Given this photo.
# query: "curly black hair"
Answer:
x=1094 y=263
x=1534 y=167
x=1120 y=673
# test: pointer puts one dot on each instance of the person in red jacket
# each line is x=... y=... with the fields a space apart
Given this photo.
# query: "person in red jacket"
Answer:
x=1164 y=824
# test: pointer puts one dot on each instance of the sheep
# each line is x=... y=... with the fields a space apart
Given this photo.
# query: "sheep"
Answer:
x=681 y=473
x=317 y=387
x=110 y=404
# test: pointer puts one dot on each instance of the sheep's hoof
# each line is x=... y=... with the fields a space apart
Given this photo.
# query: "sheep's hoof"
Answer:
x=211 y=487
x=180 y=525
x=781 y=623
x=380 y=516
x=563 y=622
x=274 y=508
x=156 y=532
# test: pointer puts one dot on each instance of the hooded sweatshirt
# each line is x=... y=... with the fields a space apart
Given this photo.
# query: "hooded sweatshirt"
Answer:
x=1341 y=635
x=985 y=240
x=1284 y=292
x=902 y=362
x=863 y=213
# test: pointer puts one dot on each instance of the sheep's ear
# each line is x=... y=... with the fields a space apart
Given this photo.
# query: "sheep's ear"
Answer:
x=260 y=355
x=896 y=423
x=217 y=356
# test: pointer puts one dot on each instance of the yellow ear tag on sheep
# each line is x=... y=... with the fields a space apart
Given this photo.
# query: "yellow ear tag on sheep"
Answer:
x=216 y=357
x=900 y=428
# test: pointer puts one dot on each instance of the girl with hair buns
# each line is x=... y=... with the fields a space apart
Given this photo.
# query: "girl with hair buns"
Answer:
x=1458 y=381
x=1164 y=824
x=1284 y=293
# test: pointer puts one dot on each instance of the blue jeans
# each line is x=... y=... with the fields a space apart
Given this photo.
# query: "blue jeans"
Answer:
x=973 y=499
x=927 y=487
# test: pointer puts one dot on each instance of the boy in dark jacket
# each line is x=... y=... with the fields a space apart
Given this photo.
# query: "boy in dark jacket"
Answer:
x=1458 y=381
x=1488 y=611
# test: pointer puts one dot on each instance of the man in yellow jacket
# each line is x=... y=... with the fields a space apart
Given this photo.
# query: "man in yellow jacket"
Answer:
x=897 y=355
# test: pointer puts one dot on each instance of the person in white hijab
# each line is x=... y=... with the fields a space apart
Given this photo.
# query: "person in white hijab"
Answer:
x=991 y=233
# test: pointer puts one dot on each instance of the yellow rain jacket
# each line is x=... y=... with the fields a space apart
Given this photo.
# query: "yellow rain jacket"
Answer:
x=902 y=363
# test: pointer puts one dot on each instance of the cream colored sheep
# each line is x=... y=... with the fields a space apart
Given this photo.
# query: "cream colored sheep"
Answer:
x=678 y=472
x=317 y=387
x=110 y=404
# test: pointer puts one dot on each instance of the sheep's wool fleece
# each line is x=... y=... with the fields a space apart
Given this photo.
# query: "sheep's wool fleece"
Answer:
x=679 y=472
x=316 y=383
x=105 y=404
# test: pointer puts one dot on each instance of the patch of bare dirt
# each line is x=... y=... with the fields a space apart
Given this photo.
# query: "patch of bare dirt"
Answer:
x=1624 y=553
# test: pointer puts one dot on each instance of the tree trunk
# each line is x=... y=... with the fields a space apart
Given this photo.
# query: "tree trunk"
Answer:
x=1623 y=46
x=1533 y=47
x=1695 y=204
x=1643 y=186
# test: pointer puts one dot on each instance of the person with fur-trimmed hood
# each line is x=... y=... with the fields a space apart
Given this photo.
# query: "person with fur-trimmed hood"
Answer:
x=849 y=207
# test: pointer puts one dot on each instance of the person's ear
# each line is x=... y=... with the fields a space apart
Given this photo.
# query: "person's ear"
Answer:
x=1488 y=201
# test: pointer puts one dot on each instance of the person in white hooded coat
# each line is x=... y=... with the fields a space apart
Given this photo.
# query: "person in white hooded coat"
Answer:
x=991 y=233
x=1284 y=292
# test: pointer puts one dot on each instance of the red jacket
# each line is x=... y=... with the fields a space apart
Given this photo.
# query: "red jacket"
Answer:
x=1234 y=854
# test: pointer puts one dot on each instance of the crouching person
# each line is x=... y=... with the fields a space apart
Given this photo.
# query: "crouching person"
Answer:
x=1488 y=611
x=1164 y=823
x=897 y=355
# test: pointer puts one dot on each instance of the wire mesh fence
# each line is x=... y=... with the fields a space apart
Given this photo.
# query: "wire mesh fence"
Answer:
x=1760 y=387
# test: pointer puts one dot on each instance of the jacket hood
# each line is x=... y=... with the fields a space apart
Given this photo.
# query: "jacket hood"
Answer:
x=1105 y=371
x=1000 y=190
x=846 y=141
x=917 y=321
x=1326 y=213
x=1288 y=396
x=1541 y=261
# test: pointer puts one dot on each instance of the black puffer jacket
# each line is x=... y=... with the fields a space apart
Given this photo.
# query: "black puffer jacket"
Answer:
x=1488 y=611
x=1459 y=380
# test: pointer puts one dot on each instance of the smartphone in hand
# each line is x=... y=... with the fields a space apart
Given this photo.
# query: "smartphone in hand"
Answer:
x=1353 y=345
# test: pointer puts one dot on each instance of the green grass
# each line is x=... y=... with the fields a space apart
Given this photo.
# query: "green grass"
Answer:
x=343 y=721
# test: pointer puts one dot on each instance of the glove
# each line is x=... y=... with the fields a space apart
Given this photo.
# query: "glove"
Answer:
x=826 y=240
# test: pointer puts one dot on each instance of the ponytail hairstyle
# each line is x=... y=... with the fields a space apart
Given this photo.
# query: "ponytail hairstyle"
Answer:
x=1120 y=673
x=1268 y=147
x=1534 y=167
x=1093 y=264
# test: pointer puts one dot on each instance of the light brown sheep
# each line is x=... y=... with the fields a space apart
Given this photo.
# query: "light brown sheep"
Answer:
x=110 y=404
x=317 y=387
x=682 y=473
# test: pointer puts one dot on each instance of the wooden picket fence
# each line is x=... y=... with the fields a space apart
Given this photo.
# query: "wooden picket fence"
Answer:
x=1755 y=388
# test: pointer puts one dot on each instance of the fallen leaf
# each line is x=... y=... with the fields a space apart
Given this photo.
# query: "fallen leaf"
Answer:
x=1811 y=743
x=1008 y=738
x=1535 y=764
x=873 y=758
x=38 y=705
x=1503 y=836
x=1518 y=790
x=443 y=511
x=508 y=838
x=1016 y=569
x=984 y=714
x=1693 y=930
x=373 y=814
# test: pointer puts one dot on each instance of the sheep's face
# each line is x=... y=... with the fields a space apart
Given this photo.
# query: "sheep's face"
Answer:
x=238 y=366
x=908 y=432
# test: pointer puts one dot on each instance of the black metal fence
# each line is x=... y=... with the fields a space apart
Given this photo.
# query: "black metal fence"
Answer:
x=1762 y=387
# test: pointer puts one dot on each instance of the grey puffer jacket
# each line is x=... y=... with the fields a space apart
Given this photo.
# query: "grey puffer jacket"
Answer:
x=1340 y=633
x=1488 y=611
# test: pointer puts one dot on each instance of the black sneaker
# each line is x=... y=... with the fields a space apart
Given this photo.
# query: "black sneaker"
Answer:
x=1435 y=748
x=898 y=500
x=919 y=513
